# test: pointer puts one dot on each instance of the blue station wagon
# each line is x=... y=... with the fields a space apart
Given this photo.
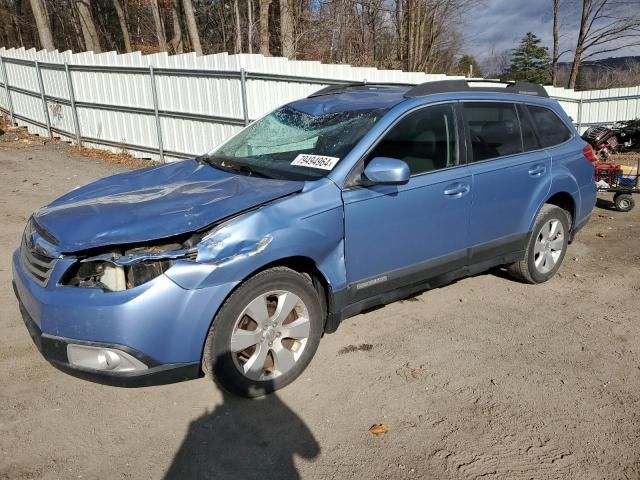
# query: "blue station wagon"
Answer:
x=234 y=264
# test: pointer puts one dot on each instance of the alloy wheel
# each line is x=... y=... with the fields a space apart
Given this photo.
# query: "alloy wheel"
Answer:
x=270 y=335
x=549 y=246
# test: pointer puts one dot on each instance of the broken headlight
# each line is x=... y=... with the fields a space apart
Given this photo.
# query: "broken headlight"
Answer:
x=117 y=271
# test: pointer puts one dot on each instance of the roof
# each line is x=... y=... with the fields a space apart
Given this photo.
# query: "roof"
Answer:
x=349 y=98
x=369 y=96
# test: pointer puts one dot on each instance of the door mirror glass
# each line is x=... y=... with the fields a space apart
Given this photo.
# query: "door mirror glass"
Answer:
x=387 y=171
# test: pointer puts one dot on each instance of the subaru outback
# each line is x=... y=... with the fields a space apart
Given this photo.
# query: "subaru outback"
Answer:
x=234 y=264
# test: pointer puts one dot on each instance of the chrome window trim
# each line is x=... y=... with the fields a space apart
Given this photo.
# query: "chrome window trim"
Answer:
x=541 y=149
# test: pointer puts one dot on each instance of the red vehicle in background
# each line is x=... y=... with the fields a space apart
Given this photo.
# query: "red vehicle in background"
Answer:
x=621 y=180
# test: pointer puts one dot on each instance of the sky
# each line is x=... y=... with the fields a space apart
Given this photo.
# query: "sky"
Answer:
x=500 y=24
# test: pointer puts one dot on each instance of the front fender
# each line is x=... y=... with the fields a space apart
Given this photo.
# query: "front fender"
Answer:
x=308 y=224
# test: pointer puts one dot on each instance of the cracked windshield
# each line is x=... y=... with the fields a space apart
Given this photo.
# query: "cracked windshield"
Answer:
x=294 y=145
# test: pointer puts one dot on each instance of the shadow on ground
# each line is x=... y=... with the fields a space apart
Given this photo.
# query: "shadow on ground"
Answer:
x=605 y=204
x=244 y=439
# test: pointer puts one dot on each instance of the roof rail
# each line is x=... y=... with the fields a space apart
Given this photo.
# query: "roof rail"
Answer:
x=447 y=86
x=345 y=87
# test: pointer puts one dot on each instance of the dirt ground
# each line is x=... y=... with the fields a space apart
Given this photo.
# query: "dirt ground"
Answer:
x=482 y=378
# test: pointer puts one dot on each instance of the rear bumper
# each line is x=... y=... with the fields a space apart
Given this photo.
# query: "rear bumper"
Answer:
x=54 y=350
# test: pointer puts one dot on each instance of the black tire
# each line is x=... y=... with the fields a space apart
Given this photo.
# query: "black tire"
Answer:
x=624 y=202
x=525 y=270
x=220 y=363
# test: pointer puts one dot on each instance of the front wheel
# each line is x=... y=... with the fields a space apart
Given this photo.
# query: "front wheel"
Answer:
x=624 y=202
x=265 y=334
x=546 y=248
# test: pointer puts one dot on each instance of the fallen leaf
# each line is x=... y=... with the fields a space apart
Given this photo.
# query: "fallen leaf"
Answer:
x=601 y=235
x=378 y=429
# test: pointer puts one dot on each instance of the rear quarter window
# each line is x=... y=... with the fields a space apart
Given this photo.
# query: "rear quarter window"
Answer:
x=551 y=130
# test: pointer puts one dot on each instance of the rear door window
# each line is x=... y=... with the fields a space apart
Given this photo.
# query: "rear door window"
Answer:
x=494 y=129
x=551 y=130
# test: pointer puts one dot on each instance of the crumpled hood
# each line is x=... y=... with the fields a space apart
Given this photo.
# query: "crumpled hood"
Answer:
x=153 y=203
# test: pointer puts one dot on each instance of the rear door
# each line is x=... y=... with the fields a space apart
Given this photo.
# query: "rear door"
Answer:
x=511 y=177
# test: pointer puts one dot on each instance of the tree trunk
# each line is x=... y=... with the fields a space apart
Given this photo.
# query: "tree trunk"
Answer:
x=89 y=31
x=237 y=30
x=39 y=10
x=223 y=29
x=556 y=47
x=192 y=26
x=77 y=29
x=264 y=27
x=249 y=26
x=123 y=26
x=286 y=30
x=577 y=57
x=399 y=31
x=157 y=20
x=16 y=24
x=176 y=41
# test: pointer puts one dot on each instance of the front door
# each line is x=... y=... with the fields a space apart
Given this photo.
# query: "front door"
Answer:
x=399 y=235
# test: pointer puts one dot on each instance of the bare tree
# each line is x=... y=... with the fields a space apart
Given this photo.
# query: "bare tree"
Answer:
x=286 y=30
x=249 y=26
x=556 y=44
x=192 y=26
x=39 y=9
x=89 y=31
x=237 y=30
x=159 y=26
x=431 y=33
x=176 y=42
x=122 y=19
x=497 y=63
x=264 y=26
x=605 y=26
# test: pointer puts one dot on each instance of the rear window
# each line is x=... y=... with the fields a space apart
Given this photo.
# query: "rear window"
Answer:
x=551 y=130
x=494 y=129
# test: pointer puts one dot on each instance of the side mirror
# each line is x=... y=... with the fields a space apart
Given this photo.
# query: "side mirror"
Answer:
x=387 y=171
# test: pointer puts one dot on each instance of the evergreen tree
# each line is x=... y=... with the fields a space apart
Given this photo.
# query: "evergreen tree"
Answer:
x=530 y=61
x=463 y=67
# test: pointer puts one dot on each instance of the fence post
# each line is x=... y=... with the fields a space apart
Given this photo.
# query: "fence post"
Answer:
x=45 y=108
x=5 y=79
x=72 y=100
x=579 y=113
x=154 y=94
x=243 y=92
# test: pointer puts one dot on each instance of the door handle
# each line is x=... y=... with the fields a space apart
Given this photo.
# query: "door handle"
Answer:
x=456 y=190
x=537 y=170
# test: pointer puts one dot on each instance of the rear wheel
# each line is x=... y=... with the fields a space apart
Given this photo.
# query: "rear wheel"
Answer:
x=624 y=202
x=546 y=248
x=265 y=334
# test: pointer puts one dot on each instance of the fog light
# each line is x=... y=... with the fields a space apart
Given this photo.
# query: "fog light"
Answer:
x=102 y=358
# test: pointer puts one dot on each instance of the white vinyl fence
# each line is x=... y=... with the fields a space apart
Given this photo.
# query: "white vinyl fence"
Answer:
x=166 y=107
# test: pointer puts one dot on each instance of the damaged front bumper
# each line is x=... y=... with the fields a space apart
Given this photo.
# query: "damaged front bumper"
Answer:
x=55 y=351
x=154 y=332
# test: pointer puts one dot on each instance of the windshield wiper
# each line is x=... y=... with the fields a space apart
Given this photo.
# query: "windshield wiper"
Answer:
x=228 y=165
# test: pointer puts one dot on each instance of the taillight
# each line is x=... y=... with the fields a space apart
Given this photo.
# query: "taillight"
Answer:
x=587 y=151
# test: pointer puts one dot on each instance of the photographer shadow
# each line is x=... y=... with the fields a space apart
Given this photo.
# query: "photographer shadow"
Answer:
x=244 y=439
